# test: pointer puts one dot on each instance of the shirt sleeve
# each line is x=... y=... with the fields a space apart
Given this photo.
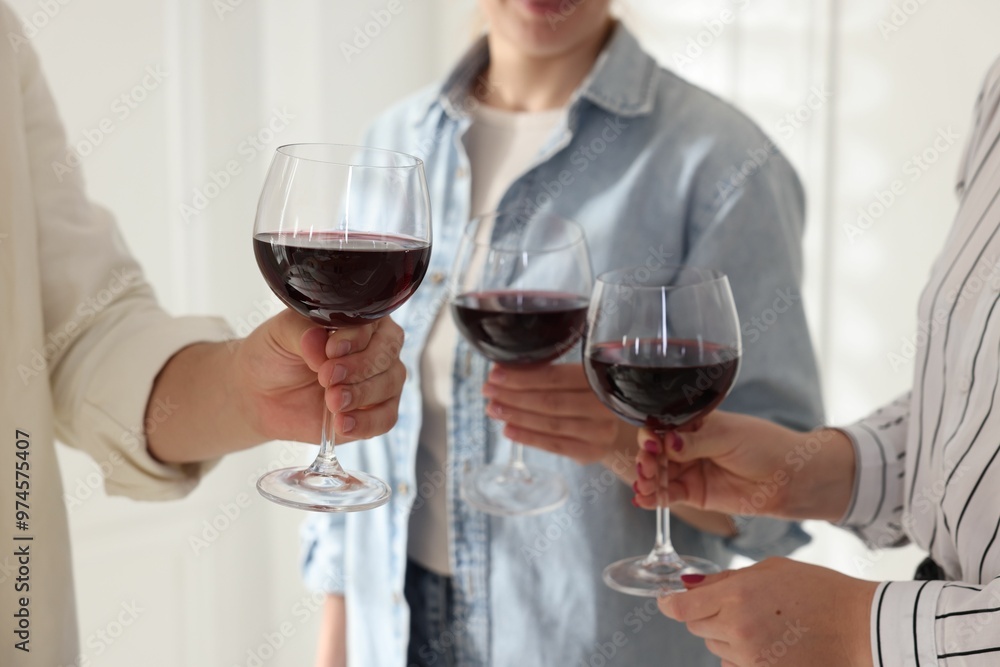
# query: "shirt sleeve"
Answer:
x=748 y=223
x=323 y=552
x=106 y=338
x=935 y=624
x=876 y=509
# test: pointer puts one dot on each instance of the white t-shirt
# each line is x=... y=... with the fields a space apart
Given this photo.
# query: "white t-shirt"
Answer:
x=501 y=145
x=82 y=342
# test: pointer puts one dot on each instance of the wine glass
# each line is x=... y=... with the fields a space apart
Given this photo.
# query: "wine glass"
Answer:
x=662 y=349
x=343 y=237
x=520 y=289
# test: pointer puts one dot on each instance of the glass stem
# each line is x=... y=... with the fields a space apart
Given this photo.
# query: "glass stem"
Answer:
x=326 y=462
x=517 y=457
x=663 y=550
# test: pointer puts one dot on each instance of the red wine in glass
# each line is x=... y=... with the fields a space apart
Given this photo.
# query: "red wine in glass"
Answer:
x=521 y=327
x=662 y=384
x=340 y=279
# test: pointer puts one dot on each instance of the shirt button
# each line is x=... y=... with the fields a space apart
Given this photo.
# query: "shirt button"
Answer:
x=461 y=173
x=397 y=598
x=437 y=278
x=402 y=488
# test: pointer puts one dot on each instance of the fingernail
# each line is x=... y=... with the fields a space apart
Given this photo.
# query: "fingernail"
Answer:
x=676 y=442
x=498 y=374
x=635 y=486
x=635 y=502
x=652 y=446
x=692 y=578
x=348 y=424
x=345 y=399
x=489 y=391
x=343 y=348
x=339 y=374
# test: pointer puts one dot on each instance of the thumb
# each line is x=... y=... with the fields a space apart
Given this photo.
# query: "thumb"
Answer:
x=701 y=580
x=287 y=331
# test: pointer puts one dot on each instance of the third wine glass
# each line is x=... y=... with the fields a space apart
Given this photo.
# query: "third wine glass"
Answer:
x=662 y=350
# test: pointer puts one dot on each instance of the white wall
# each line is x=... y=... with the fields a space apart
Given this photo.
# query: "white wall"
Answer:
x=227 y=72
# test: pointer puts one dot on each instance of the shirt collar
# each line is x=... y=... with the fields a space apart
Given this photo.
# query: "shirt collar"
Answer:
x=621 y=81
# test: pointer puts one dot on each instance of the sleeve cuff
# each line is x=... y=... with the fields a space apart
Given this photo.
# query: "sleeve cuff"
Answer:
x=874 y=511
x=902 y=623
x=323 y=553
x=117 y=407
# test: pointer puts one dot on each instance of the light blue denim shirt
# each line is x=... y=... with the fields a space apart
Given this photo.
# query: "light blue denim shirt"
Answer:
x=655 y=170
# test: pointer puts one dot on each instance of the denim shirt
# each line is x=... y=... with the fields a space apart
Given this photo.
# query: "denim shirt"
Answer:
x=656 y=171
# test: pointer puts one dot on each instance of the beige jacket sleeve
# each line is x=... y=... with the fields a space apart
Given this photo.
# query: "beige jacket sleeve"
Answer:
x=106 y=338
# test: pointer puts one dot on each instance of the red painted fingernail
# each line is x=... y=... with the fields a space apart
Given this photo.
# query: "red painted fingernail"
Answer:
x=635 y=502
x=652 y=446
x=635 y=486
x=676 y=442
x=692 y=578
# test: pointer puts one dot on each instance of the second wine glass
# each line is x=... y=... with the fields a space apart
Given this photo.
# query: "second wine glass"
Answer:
x=662 y=350
x=520 y=287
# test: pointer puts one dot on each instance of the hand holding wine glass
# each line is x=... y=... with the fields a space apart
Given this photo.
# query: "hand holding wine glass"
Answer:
x=343 y=237
x=661 y=353
x=739 y=464
x=521 y=286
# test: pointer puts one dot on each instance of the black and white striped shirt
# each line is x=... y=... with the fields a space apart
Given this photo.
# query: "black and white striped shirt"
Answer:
x=929 y=463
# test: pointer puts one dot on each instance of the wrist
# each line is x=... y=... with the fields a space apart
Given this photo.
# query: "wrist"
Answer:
x=822 y=474
x=856 y=623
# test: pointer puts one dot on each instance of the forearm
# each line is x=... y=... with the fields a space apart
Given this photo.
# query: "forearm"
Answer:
x=715 y=523
x=195 y=411
x=331 y=650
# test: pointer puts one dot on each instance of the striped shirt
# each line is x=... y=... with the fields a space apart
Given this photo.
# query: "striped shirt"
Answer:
x=929 y=463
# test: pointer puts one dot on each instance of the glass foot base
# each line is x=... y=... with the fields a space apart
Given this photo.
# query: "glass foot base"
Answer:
x=306 y=490
x=637 y=576
x=505 y=490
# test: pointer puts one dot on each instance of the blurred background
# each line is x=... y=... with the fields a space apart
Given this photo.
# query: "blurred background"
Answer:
x=859 y=93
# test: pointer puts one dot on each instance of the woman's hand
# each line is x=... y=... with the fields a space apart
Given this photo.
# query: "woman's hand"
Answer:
x=778 y=611
x=737 y=464
x=552 y=407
